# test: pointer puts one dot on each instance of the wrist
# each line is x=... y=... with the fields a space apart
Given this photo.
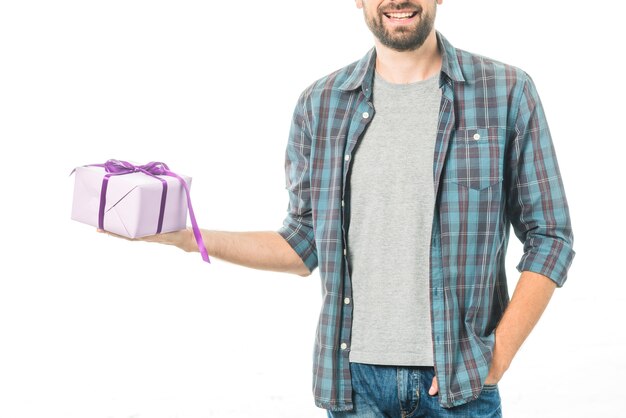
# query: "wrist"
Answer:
x=500 y=363
x=496 y=372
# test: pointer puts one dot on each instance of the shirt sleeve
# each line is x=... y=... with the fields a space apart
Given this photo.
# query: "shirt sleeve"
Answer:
x=537 y=204
x=297 y=227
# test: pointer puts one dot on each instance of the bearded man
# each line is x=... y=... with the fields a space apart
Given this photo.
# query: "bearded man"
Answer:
x=405 y=171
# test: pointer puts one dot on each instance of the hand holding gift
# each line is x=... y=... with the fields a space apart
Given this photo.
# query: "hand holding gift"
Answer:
x=183 y=239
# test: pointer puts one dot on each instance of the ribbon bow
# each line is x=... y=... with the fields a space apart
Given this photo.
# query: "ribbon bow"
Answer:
x=153 y=169
x=124 y=167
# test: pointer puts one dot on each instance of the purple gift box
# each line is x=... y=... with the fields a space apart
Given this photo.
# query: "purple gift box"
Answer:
x=133 y=201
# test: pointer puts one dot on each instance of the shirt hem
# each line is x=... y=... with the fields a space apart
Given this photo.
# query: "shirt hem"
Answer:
x=332 y=406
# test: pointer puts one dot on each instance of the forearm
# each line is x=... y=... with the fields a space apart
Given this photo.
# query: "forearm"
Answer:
x=529 y=300
x=264 y=250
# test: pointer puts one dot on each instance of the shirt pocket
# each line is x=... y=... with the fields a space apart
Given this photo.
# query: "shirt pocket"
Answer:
x=475 y=159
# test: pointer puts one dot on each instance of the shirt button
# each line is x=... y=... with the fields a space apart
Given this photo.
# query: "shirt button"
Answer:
x=347 y=157
x=476 y=137
x=366 y=115
x=342 y=204
x=344 y=346
x=346 y=301
x=345 y=252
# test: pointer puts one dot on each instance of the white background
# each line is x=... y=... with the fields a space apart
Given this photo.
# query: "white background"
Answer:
x=95 y=327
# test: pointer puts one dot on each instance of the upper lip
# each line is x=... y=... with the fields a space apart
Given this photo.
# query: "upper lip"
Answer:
x=400 y=11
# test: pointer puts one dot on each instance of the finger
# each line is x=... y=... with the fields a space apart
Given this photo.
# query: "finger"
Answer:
x=434 y=388
x=169 y=238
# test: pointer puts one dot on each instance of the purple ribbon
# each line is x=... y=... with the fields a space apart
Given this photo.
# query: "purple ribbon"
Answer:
x=153 y=169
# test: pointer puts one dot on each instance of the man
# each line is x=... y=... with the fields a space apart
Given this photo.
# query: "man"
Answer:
x=405 y=170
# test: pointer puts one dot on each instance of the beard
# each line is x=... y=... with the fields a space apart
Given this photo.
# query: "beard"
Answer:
x=402 y=38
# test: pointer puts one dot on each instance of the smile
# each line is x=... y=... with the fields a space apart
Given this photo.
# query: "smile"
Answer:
x=402 y=15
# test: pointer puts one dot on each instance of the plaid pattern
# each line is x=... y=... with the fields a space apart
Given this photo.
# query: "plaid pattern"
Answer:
x=494 y=166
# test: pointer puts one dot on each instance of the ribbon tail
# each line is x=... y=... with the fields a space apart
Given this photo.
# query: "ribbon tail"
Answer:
x=194 y=224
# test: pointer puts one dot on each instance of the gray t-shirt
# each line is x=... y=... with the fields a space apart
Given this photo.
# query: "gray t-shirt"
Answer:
x=391 y=214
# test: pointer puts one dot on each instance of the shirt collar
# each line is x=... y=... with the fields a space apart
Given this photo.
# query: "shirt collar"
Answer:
x=363 y=72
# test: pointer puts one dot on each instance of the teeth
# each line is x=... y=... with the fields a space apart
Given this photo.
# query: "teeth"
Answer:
x=399 y=15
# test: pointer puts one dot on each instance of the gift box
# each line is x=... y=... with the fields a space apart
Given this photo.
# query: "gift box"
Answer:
x=134 y=200
x=134 y=204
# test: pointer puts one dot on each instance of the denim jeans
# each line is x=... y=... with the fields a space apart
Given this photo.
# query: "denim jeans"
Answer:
x=402 y=392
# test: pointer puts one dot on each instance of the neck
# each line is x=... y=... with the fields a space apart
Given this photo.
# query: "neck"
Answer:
x=409 y=66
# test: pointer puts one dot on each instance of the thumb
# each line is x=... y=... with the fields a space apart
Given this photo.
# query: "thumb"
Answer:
x=434 y=388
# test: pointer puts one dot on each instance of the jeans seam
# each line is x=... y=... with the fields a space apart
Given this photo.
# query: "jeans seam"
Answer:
x=418 y=388
x=398 y=390
x=415 y=390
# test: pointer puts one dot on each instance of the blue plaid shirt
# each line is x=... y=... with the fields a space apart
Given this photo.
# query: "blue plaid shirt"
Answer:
x=494 y=166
